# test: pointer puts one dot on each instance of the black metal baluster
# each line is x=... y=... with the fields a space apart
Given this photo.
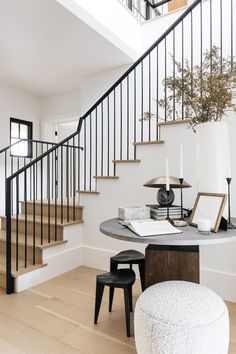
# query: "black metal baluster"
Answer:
x=9 y=278
x=67 y=181
x=34 y=225
x=121 y=121
x=135 y=114
x=165 y=80
x=232 y=36
x=56 y=192
x=201 y=43
x=70 y=171
x=96 y=142
x=26 y=216
x=52 y=179
x=5 y=160
x=41 y=202
x=221 y=34
x=79 y=163
x=174 y=74
x=182 y=69
x=17 y=223
x=85 y=154
x=102 y=117
x=210 y=22
x=36 y=179
x=30 y=181
x=62 y=181
x=90 y=152
x=149 y=97
x=191 y=61
x=108 y=135
x=74 y=177
x=114 y=135
x=142 y=117
x=127 y=117
x=48 y=197
x=157 y=97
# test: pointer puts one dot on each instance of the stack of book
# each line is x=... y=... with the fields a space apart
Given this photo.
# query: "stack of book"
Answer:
x=158 y=212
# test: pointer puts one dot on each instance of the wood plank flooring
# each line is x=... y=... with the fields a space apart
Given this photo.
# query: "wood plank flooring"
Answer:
x=56 y=317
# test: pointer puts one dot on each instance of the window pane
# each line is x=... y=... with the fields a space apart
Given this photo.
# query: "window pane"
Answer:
x=23 y=131
x=20 y=149
x=15 y=130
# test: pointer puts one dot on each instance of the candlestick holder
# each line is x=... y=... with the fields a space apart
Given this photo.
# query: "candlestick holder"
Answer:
x=181 y=181
x=229 y=223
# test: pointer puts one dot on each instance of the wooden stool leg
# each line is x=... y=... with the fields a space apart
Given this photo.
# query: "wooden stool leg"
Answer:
x=127 y=311
x=130 y=299
x=98 y=300
x=111 y=295
x=113 y=267
x=142 y=274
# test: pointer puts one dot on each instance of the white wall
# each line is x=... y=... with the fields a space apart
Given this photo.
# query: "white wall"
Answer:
x=112 y=20
x=14 y=103
x=94 y=86
x=59 y=109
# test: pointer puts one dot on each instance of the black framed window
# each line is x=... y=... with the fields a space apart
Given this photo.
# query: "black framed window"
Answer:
x=21 y=129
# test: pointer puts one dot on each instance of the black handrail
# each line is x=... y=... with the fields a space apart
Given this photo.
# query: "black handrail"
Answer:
x=145 y=55
x=159 y=3
x=35 y=141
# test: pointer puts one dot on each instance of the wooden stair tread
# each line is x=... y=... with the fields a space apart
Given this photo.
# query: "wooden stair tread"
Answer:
x=30 y=241
x=125 y=161
x=152 y=142
x=106 y=177
x=88 y=192
x=30 y=218
x=173 y=122
x=52 y=203
x=21 y=270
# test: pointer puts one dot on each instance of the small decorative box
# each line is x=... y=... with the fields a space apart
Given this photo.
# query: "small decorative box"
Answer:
x=133 y=213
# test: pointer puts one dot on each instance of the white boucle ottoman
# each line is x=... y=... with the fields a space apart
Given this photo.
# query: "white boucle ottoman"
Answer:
x=178 y=317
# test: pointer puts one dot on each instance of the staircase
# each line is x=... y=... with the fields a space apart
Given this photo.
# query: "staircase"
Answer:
x=42 y=196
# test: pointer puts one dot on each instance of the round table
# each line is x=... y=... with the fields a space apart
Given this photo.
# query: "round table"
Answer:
x=169 y=257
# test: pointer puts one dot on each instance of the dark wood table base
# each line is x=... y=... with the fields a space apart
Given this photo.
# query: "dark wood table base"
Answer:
x=165 y=263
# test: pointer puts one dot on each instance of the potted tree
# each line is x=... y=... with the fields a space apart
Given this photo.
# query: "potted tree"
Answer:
x=205 y=95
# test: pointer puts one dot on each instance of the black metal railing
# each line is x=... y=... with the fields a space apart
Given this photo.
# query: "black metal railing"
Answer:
x=111 y=129
x=148 y=9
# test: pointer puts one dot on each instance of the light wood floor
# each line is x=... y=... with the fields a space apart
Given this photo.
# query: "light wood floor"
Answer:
x=56 y=317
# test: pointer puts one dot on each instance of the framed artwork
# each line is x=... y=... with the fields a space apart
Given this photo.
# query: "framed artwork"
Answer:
x=209 y=206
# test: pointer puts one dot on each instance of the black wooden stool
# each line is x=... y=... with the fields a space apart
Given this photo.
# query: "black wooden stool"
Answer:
x=130 y=257
x=121 y=278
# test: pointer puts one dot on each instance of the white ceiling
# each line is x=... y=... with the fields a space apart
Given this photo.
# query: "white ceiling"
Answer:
x=45 y=49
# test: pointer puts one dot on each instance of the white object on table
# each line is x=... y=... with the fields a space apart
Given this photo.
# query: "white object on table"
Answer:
x=133 y=213
x=204 y=225
x=152 y=228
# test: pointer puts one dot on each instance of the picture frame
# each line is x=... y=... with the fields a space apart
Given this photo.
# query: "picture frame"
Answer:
x=208 y=206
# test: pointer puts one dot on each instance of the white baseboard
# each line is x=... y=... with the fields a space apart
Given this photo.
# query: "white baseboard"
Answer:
x=224 y=284
x=56 y=265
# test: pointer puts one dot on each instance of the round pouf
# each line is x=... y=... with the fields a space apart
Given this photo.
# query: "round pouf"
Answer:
x=178 y=317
